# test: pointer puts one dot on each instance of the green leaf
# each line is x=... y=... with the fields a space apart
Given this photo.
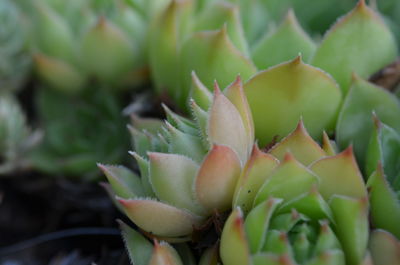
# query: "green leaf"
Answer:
x=281 y=95
x=355 y=123
x=352 y=228
x=213 y=56
x=385 y=205
x=139 y=248
x=359 y=42
x=285 y=43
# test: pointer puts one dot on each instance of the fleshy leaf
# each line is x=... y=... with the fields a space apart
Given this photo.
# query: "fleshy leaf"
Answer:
x=217 y=15
x=352 y=228
x=327 y=239
x=124 y=182
x=58 y=74
x=201 y=118
x=289 y=180
x=359 y=42
x=226 y=127
x=348 y=181
x=310 y=204
x=355 y=123
x=139 y=249
x=300 y=144
x=210 y=256
x=234 y=249
x=53 y=35
x=257 y=223
x=185 y=144
x=385 y=205
x=385 y=248
x=107 y=53
x=235 y=93
x=150 y=125
x=384 y=147
x=255 y=172
x=165 y=37
x=328 y=146
x=287 y=92
x=144 y=173
x=164 y=254
x=216 y=178
x=159 y=218
x=172 y=177
x=213 y=56
x=200 y=94
x=270 y=51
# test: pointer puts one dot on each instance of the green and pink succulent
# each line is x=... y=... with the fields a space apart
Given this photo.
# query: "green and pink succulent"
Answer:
x=203 y=157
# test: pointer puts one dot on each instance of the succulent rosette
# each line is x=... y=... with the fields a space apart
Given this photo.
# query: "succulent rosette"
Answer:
x=311 y=207
x=79 y=130
x=213 y=41
x=78 y=42
x=16 y=138
x=14 y=56
x=192 y=167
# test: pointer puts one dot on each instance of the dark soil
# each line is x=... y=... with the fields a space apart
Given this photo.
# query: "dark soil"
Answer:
x=45 y=220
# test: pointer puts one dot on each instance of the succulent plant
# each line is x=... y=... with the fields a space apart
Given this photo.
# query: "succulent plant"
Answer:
x=77 y=42
x=312 y=208
x=383 y=169
x=79 y=130
x=14 y=57
x=203 y=157
x=212 y=42
x=16 y=138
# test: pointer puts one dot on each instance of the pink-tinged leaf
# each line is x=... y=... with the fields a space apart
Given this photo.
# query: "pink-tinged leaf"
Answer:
x=172 y=177
x=255 y=172
x=352 y=227
x=300 y=144
x=385 y=248
x=234 y=249
x=235 y=93
x=340 y=175
x=226 y=127
x=217 y=177
x=385 y=205
x=288 y=181
x=159 y=218
x=164 y=254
